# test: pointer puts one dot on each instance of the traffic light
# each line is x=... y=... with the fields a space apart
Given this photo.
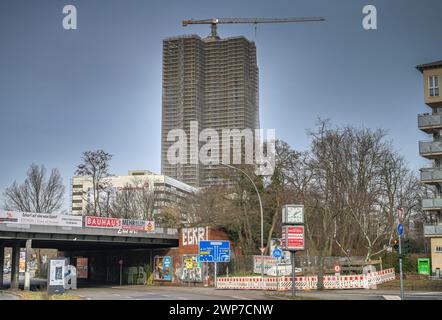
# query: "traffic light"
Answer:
x=396 y=244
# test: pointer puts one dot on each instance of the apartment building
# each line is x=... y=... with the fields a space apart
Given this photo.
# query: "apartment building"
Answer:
x=431 y=123
x=164 y=191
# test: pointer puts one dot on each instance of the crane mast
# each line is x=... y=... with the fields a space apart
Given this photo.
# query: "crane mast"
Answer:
x=215 y=21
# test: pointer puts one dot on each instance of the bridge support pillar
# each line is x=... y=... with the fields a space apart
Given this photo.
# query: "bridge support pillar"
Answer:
x=15 y=265
x=28 y=270
x=2 y=262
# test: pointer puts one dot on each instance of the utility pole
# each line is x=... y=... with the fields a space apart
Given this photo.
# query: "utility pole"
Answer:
x=400 y=232
x=293 y=273
x=400 y=268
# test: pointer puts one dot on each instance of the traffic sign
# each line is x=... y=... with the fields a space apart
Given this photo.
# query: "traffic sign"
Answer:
x=337 y=268
x=277 y=253
x=400 y=229
x=400 y=214
x=214 y=251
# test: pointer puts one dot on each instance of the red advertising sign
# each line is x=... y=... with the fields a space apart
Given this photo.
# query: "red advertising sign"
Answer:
x=100 y=222
x=293 y=237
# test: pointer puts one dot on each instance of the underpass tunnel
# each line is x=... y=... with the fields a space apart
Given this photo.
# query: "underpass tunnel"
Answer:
x=97 y=263
x=111 y=266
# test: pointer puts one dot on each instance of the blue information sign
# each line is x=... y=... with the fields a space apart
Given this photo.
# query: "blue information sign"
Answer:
x=277 y=253
x=400 y=229
x=214 y=251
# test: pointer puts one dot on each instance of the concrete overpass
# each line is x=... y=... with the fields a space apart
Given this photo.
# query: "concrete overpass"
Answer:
x=96 y=242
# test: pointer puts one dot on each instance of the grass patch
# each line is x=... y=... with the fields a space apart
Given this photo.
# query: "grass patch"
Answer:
x=41 y=295
x=414 y=285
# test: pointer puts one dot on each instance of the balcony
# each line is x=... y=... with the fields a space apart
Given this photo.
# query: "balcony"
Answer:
x=431 y=175
x=431 y=230
x=430 y=149
x=429 y=123
x=432 y=204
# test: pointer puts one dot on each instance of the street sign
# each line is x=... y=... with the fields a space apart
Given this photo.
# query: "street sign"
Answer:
x=277 y=253
x=400 y=214
x=214 y=251
x=293 y=238
x=400 y=229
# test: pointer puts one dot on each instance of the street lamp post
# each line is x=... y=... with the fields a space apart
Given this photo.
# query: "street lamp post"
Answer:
x=262 y=216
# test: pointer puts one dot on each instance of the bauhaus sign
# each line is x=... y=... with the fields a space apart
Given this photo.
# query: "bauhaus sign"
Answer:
x=100 y=222
x=293 y=238
x=115 y=223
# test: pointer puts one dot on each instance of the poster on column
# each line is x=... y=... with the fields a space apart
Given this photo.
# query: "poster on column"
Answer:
x=56 y=272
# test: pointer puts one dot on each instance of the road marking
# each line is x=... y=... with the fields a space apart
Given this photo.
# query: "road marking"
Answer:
x=241 y=298
x=116 y=294
x=392 y=297
x=182 y=298
x=426 y=293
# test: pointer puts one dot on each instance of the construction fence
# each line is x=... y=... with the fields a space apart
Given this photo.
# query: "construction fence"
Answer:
x=305 y=265
x=361 y=281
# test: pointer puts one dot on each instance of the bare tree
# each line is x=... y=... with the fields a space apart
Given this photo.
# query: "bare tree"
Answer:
x=96 y=166
x=36 y=193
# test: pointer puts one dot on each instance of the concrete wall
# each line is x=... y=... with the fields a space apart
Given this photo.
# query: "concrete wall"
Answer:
x=188 y=246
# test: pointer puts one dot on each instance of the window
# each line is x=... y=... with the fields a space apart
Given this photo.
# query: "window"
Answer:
x=434 y=86
x=438 y=249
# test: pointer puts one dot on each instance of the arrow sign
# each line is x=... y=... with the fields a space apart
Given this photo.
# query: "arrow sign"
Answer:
x=400 y=229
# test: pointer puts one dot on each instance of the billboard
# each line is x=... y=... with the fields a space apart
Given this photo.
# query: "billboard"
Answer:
x=42 y=219
x=293 y=238
x=82 y=268
x=120 y=224
x=163 y=268
x=56 y=272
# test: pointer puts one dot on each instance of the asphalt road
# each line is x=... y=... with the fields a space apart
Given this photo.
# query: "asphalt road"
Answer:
x=198 y=293
x=166 y=293
x=370 y=295
x=204 y=293
x=6 y=296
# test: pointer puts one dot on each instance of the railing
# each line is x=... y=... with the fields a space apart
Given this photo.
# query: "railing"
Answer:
x=432 y=204
x=428 y=147
x=431 y=174
x=433 y=229
x=429 y=120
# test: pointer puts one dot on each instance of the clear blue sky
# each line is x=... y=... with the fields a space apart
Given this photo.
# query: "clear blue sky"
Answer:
x=64 y=92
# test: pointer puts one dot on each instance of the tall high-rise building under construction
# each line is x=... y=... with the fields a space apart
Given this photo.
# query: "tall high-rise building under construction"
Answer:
x=213 y=81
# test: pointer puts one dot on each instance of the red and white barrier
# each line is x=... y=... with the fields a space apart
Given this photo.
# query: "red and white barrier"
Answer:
x=362 y=281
